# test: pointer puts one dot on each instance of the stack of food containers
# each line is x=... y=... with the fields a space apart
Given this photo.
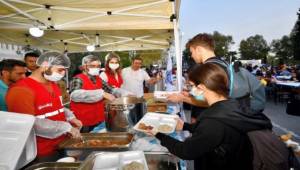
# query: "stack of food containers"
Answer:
x=17 y=140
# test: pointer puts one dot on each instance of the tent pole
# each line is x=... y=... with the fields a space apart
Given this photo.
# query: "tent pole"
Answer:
x=71 y=39
x=177 y=52
x=28 y=3
x=127 y=40
x=154 y=42
x=141 y=6
x=79 y=20
x=16 y=23
x=141 y=15
x=119 y=37
x=18 y=10
x=117 y=42
x=27 y=11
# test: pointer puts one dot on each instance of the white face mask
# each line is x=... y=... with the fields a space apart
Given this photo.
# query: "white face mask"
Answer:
x=54 y=76
x=113 y=66
x=94 y=71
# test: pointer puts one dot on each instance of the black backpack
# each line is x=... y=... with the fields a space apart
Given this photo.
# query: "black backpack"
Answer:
x=293 y=104
x=270 y=153
x=244 y=86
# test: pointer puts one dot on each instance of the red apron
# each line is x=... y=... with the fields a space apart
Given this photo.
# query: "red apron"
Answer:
x=47 y=106
x=89 y=113
x=111 y=80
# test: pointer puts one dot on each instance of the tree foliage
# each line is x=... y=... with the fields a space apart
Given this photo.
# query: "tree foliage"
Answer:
x=254 y=47
x=222 y=44
x=295 y=37
x=187 y=60
x=222 y=49
x=283 y=49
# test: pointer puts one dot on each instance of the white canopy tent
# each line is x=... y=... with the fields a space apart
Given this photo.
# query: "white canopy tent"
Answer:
x=109 y=25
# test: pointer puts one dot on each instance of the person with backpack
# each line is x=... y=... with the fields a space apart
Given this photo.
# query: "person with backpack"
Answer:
x=244 y=87
x=219 y=136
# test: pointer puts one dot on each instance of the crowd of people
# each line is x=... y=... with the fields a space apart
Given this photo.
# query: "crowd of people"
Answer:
x=230 y=108
x=267 y=72
x=32 y=87
x=270 y=76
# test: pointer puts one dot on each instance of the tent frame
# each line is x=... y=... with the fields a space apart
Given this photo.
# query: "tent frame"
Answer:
x=121 y=12
x=94 y=40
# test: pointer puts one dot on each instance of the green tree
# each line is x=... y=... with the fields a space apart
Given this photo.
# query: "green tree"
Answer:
x=222 y=44
x=283 y=49
x=295 y=37
x=125 y=60
x=75 y=63
x=187 y=60
x=254 y=47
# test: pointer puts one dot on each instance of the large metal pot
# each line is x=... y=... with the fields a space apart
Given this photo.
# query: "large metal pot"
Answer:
x=123 y=113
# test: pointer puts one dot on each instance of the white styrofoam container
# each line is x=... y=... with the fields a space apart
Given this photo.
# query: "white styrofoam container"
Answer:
x=162 y=95
x=116 y=160
x=157 y=119
x=17 y=140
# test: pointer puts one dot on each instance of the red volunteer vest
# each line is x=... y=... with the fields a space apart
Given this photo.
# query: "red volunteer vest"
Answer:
x=47 y=106
x=89 y=113
x=111 y=80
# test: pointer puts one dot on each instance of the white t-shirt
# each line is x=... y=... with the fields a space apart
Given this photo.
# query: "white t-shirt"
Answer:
x=133 y=80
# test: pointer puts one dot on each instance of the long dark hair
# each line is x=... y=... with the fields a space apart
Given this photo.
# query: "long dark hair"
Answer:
x=110 y=57
x=212 y=76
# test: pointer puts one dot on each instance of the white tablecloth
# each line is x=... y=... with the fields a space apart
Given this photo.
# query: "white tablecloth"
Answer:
x=289 y=83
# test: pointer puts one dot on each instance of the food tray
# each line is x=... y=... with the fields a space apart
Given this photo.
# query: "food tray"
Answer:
x=156 y=120
x=54 y=165
x=113 y=160
x=162 y=161
x=162 y=95
x=116 y=140
x=81 y=152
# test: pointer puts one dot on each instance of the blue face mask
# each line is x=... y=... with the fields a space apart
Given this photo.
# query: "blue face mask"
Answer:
x=197 y=95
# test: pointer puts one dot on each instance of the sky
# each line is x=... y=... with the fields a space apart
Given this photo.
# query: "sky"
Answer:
x=238 y=18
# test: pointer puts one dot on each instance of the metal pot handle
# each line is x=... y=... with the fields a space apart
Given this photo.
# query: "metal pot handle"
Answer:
x=127 y=116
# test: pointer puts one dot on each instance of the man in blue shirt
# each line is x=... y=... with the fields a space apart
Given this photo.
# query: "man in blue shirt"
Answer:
x=11 y=71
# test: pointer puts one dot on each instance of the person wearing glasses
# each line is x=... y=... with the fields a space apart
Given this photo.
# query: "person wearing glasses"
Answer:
x=87 y=94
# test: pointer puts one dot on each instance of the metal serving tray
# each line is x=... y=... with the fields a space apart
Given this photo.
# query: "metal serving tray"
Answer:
x=118 y=140
x=80 y=153
x=54 y=166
